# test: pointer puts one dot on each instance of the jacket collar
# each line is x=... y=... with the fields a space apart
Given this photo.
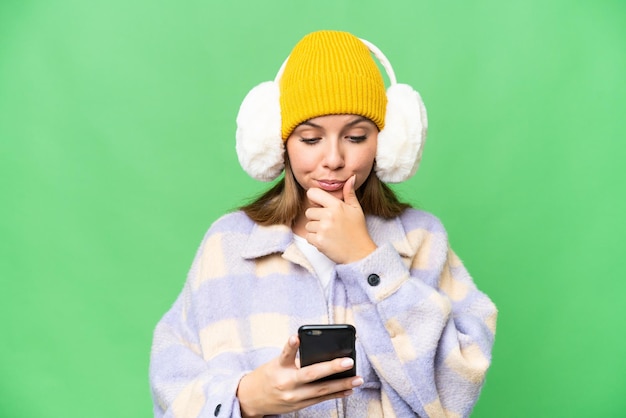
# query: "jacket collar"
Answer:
x=266 y=240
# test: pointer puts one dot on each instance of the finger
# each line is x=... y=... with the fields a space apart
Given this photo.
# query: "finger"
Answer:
x=314 y=214
x=313 y=239
x=337 y=385
x=312 y=226
x=349 y=195
x=326 y=368
x=322 y=198
x=334 y=395
x=331 y=388
x=288 y=356
x=312 y=401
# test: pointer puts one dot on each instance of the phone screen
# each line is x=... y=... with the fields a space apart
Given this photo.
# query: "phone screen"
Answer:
x=320 y=343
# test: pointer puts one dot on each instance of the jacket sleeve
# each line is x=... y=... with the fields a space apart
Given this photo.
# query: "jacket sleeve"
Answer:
x=183 y=382
x=425 y=327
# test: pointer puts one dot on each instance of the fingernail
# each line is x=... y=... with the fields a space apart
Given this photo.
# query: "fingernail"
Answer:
x=292 y=341
x=347 y=362
x=357 y=382
x=348 y=392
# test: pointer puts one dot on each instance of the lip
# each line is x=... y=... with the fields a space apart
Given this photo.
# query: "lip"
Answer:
x=331 y=185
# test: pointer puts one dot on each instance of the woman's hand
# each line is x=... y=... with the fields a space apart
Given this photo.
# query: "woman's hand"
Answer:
x=279 y=386
x=337 y=228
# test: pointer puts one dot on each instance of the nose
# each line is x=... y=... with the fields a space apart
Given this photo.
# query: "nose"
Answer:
x=333 y=156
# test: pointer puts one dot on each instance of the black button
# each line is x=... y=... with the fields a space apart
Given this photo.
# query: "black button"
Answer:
x=217 y=409
x=373 y=280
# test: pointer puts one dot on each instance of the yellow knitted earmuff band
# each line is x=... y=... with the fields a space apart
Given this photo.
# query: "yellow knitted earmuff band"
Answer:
x=327 y=73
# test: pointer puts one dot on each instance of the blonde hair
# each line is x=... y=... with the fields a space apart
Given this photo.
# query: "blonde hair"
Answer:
x=283 y=202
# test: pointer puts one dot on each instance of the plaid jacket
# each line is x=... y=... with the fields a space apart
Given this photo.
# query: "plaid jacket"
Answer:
x=424 y=333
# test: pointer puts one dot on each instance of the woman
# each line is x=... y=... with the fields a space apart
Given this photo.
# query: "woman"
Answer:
x=329 y=243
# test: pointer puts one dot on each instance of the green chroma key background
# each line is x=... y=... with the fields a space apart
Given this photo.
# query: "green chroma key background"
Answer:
x=117 y=123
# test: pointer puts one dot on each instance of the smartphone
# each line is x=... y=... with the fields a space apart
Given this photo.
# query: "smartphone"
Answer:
x=320 y=343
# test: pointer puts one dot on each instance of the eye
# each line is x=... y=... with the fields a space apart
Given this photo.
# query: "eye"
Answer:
x=310 y=141
x=357 y=139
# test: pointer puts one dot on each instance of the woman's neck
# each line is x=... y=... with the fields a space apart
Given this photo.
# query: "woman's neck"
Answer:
x=299 y=226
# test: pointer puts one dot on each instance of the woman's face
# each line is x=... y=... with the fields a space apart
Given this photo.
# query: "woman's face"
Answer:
x=324 y=152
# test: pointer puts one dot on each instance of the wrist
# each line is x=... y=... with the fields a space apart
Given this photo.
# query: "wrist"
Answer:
x=245 y=392
x=363 y=251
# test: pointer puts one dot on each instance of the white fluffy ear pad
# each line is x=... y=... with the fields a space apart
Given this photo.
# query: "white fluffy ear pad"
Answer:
x=400 y=143
x=259 y=144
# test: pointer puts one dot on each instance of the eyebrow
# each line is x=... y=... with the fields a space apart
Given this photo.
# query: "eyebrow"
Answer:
x=357 y=120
